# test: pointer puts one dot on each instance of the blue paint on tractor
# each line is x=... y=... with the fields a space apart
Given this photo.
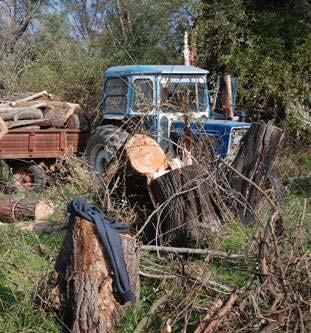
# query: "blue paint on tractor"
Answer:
x=224 y=133
x=220 y=131
x=153 y=69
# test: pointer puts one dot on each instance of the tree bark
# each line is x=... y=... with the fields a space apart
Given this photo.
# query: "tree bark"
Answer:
x=11 y=211
x=187 y=215
x=226 y=97
x=254 y=160
x=85 y=281
x=56 y=116
x=20 y=113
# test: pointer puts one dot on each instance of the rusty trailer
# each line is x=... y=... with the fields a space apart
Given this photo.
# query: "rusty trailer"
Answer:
x=41 y=143
x=31 y=152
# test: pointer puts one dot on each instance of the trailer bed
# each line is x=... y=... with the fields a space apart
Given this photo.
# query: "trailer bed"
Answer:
x=42 y=143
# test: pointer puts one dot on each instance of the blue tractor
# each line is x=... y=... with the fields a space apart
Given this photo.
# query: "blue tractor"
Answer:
x=162 y=100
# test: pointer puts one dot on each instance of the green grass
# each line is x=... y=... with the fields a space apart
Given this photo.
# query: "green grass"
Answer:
x=304 y=160
x=22 y=266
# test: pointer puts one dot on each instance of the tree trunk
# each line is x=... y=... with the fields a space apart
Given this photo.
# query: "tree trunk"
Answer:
x=11 y=211
x=188 y=214
x=85 y=281
x=254 y=160
x=226 y=97
x=20 y=113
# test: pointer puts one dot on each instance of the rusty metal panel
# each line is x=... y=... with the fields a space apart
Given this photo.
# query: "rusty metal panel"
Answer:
x=48 y=143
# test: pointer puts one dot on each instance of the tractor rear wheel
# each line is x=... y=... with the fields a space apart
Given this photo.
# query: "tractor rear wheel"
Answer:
x=103 y=145
x=28 y=177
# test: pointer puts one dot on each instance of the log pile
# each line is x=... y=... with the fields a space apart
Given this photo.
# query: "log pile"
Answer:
x=41 y=110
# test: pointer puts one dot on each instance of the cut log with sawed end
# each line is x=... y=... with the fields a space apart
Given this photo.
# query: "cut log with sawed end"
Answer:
x=89 y=304
x=188 y=216
x=72 y=108
x=254 y=160
x=25 y=209
x=145 y=154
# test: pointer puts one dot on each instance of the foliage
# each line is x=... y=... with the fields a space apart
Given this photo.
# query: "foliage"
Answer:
x=267 y=46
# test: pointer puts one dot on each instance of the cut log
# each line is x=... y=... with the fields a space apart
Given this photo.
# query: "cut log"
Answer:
x=85 y=281
x=3 y=129
x=36 y=122
x=72 y=108
x=24 y=209
x=254 y=160
x=30 y=98
x=20 y=113
x=76 y=121
x=186 y=212
x=56 y=116
x=37 y=104
x=145 y=154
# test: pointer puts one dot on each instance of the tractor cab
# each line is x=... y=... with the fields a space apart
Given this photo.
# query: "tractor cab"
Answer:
x=165 y=99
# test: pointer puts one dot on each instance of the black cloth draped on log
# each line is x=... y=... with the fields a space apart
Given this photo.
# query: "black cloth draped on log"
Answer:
x=109 y=233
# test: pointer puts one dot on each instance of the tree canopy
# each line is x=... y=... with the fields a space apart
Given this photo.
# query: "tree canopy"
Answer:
x=64 y=46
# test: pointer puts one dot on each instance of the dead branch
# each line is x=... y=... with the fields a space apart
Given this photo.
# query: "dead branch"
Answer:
x=140 y=328
x=183 y=250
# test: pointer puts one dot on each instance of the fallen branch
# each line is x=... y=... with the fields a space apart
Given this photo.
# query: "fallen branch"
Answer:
x=140 y=328
x=180 y=250
x=209 y=314
x=30 y=98
x=218 y=311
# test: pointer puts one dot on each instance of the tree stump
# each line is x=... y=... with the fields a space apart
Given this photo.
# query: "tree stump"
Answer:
x=90 y=304
x=188 y=215
x=254 y=160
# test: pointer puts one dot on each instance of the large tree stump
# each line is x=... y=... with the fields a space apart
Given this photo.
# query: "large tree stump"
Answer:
x=85 y=281
x=254 y=160
x=187 y=214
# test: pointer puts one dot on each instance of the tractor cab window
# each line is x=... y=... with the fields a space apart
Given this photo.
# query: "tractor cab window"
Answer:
x=183 y=93
x=116 y=95
x=143 y=95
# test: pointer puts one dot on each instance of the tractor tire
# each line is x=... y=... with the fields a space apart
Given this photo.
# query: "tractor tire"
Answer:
x=103 y=145
x=28 y=177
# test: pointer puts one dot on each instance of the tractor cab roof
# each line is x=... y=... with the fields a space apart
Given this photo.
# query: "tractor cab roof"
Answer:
x=154 y=69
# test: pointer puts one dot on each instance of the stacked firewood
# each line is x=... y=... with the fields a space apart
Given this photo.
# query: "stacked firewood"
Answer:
x=41 y=110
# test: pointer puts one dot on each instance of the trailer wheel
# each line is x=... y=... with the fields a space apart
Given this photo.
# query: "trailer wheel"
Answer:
x=103 y=145
x=28 y=178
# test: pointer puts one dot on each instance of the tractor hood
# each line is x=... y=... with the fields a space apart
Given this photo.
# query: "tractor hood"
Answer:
x=221 y=131
x=208 y=126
